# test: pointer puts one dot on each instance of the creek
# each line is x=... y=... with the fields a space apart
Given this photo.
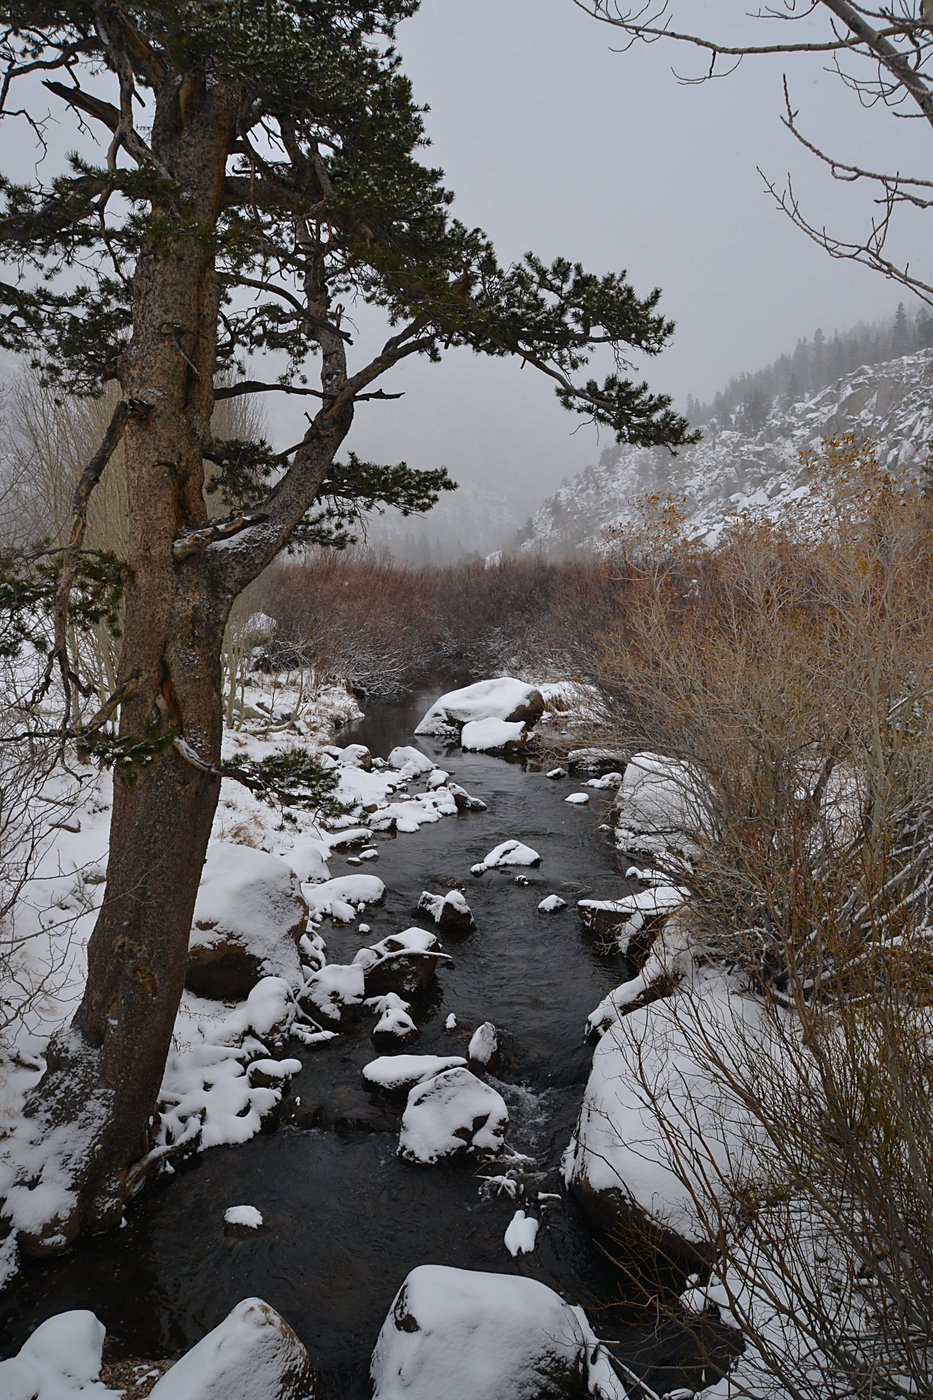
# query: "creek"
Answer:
x=344 y=1218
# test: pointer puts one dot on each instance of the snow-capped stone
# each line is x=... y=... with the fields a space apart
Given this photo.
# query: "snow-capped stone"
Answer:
x=450 y=912
x=578 y=799
x=335 y=991
x=394 y=1022
x=242 y=1220
x=393 y=1072
x=556 y=773
x=551 y=903
x=342 y=898
x=403 y=963
x=635 y=915
x=409 y=762
x=507 y=853
x=521 y=1234
x=60 y=1361
x=466 y=1335
x=483 y=1050
x=463 y=801
x=451 y=1113
x=504 y=699
x=248 y=918
x=659 y=1129
x=492 y=736
x=252 y=1355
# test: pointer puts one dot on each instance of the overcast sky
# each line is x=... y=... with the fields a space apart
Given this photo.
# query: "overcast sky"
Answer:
x=552 y=141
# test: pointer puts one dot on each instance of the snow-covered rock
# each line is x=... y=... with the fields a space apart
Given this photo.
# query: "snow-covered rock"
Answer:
x=252 y=1355
x=578 y=799
x=392 y=1072
x=60 y=1361
x=394 y=1023
x=248 y=919
x=660 y=805
x=551 y=903
x=335 y=991
x=452 y=1113
x=342 y=898
x=521 y=1234
x=465 y=1335
x=503 y=698
x=659 y=1129
x=450 y=912
x=403 y=963
x=483 y=1050
x=633 y=915
x=409 y=762
x=507 y=853
x=242 y=1220
x=492 y=736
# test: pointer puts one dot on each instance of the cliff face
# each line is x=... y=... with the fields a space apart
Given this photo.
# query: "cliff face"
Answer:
x=730 y=471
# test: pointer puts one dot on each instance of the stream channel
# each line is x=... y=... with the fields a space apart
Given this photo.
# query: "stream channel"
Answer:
x=344 y=1218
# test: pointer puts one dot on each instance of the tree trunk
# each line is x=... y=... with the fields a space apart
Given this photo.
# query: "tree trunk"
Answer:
x=98 y=1097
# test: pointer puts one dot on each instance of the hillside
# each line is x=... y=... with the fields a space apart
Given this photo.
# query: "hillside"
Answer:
x=731 y=471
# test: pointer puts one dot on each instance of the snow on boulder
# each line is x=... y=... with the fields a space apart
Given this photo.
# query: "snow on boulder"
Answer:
x=466 y=1335
x=393 y=1024
x=507 y=853
x=452 y=1113
x=503 y=699
x=392 y=1072
x=403 y=963
x=450 y=912
x=521 y=1234
x=634 y=916
x=335 y=991
x=410 y=762
x=551 y=903
x=577 y=799
x=342 y=898
x=252 y=1355
x=242 y=1220
x=659 y=1129
x=248 y=918
x=59 y=1361
x=307 y=856
x=660 y=805
x=483 y=1050
x=492 y=736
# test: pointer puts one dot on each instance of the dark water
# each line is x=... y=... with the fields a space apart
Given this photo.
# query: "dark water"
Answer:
x=345 y=1220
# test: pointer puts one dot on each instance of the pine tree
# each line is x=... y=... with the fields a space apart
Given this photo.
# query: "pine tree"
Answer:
x=259 y=172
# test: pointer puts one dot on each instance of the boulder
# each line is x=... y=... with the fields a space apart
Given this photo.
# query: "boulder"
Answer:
x=595 y=762
x=507 y=853
x=465 y=1335
x=493 y=736
x=451 y=1114
x=248 y=919
x=661 y=1140
x=252 y=1355
x=403 y=963
x=633 y=921
x=62 y=1358
x=450 y=912
x=463 y=801
x=503 y=698
x=342 y=898
x=394 y=1025
x=394 y=1073
x=483 y=1050
x=335 y=992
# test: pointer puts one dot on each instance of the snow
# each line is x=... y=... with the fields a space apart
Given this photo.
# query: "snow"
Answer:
x=484 y=1044
x=252 y=1355
x=60 y=1361
x=247 y=1217
x=521 y=1234
x=491 y=735
x=660 y=804
x=507 y=853
x=452 y=1112
x=252 y=899
x=630 y=913
x=410 y=762
x=335 y=987
x=396 y=1071
x=578 y=799
x=490 y=699
x=342 y=898
x=392 y=1016
x=466 y=1335
x=411 y=942
x=551 y=903
x=658 y=1124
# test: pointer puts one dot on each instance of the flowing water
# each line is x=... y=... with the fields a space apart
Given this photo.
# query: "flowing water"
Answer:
x=344 y=1218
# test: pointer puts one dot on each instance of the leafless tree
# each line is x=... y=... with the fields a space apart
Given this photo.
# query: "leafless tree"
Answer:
x=881 y=55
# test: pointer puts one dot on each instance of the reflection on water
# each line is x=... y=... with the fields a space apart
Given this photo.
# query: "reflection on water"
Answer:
x=344 y=1218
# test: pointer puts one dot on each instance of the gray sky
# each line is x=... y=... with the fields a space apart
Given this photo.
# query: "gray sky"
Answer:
x=552 y=141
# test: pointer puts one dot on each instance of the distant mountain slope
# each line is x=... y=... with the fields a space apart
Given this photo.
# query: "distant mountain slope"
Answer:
x=731 y=471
